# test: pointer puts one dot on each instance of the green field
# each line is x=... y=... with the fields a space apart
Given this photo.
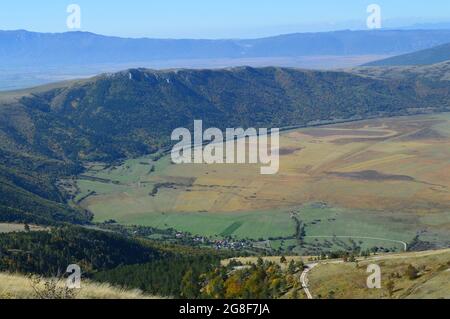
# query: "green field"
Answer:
x=254 y=225
x=381 y=182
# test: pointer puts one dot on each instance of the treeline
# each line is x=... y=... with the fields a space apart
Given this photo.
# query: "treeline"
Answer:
x=154 y=267
x=263 y=280
x=50 y=252
x=161 y=277
x=203 y=277
x=165 y=276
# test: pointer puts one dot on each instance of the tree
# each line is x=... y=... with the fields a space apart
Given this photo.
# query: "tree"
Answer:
x=301 y=265
x=283 y=260
x=215 y=286
x=291 y=268
x=260 y=262
x=189 y=285
x=27 y=228
x=233 y=287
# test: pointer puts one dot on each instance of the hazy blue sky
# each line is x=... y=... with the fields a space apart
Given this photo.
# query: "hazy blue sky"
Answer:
x=214 y=18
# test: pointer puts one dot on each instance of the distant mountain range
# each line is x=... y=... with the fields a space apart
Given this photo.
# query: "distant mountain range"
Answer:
x=29 y=59
x=424 y=57
x=29 y=49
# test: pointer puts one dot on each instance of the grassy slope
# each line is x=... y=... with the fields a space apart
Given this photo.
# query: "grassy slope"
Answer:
x=19 y=287
x=348 y=280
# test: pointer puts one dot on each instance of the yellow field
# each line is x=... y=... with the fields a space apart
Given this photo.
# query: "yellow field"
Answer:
x=410 y=171
x=395 y=166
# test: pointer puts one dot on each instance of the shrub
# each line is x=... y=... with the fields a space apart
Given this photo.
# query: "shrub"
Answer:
x=412 y=272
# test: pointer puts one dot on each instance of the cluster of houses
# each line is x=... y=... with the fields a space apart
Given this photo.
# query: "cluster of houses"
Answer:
x=216 y=243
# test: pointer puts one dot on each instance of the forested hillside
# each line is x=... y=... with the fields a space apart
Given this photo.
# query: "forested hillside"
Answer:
x=49 y=132
x=107 y=257
x=50 y=252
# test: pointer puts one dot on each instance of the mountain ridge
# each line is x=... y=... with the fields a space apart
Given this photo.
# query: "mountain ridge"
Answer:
x=434 y=55
x=48 y=133
x=29 y=58
x=23 y=48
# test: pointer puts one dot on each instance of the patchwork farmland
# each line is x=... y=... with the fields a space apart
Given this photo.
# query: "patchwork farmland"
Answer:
x=383 y=178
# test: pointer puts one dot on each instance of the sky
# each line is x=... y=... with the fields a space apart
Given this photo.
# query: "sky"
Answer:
x=215 y=18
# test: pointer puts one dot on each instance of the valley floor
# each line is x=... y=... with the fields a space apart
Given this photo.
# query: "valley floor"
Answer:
x=373 y=183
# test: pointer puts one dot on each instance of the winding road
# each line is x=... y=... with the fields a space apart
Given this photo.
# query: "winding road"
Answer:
x=304 y=276
x=304 y=279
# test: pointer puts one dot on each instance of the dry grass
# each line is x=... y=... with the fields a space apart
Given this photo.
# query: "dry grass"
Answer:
x=13 y=286
x=10 y=228
x=305 y=174
x=333 y=278
x=348 y=280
